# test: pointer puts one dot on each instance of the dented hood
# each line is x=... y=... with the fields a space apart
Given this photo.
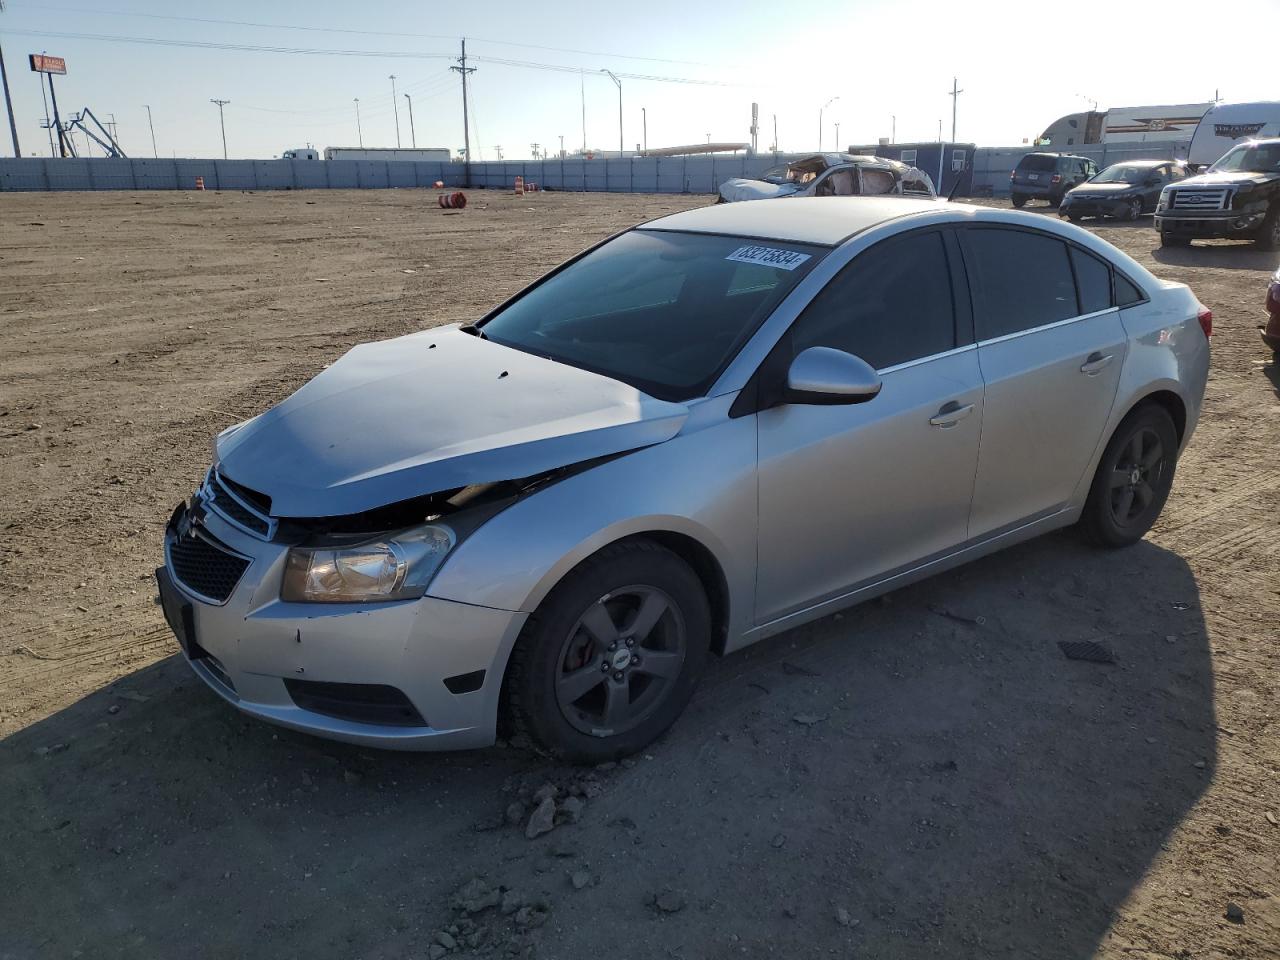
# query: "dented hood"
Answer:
x=742 y=189
x=429 y=412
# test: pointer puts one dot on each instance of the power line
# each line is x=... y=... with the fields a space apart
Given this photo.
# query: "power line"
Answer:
x=328 y=51
x=369 y=33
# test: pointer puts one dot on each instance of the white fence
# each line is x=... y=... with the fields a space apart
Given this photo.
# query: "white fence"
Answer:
x=697 y=174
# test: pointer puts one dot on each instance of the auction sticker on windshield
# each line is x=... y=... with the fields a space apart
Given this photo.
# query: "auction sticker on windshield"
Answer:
x=768 y=257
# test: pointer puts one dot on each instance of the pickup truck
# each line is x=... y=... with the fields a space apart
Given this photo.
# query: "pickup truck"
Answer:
x=1238 y=197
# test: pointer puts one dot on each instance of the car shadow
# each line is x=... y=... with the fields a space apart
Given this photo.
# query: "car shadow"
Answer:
x=1219 y=254
x=1271 y=370
x=932 y=765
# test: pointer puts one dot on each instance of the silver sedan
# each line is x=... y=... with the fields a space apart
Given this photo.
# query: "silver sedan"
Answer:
x=708 y=429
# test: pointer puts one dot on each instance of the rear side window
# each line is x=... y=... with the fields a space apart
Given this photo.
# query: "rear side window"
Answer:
x=1126 y=293
x=892 y=304
x=1023 y=278
x=1093 y=281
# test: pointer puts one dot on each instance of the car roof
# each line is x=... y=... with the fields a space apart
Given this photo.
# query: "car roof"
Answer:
x=826 y=221
x=1141 y=163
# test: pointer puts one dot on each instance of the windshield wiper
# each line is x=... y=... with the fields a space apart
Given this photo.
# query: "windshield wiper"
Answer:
x=474 y=330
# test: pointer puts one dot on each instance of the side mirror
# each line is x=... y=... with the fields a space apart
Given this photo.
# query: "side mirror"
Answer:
x=824 y=375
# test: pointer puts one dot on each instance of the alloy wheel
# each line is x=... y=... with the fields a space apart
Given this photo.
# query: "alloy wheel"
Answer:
x=621 y=660
x=1138 y=471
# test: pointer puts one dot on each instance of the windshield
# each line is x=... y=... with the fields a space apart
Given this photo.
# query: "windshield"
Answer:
x=662 y=311
x=1251 y=157
x=801 y=172
x=1124 y=173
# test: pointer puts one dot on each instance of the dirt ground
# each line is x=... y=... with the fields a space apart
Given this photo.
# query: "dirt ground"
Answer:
x=921 y=777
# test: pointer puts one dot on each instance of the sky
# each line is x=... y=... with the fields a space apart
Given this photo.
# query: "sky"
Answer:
x=689 y=71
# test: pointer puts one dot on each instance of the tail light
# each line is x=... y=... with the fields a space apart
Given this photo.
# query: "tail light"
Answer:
x=1057 y=178
x=1205 y=316
x=1012 y=174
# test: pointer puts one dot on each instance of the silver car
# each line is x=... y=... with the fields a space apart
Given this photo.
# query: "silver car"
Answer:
x=703 y=431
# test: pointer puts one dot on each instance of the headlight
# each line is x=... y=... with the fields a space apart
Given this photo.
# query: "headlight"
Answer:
x=396 y=567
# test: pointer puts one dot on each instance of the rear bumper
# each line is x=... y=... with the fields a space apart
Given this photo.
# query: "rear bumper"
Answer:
x=1041 y=190
x=256 y=651
x=1228 y=223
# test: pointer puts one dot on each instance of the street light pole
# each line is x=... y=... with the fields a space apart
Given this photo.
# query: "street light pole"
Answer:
x=824 y=106
x=838 y=137
x=153 y=131
x=644 y=121
x=359 y=130
x=222 y=123
x=395 y=108
x=619 y=83
x=412 y=134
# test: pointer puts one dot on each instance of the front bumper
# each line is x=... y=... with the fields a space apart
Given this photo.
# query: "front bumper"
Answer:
x=1094 y=207
x=256 y=651
x=1203 y=226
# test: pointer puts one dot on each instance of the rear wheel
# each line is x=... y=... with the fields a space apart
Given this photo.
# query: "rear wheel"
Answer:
x=1019 y=200
x=1133 y=480
x=1269 y=236
x=612 y=655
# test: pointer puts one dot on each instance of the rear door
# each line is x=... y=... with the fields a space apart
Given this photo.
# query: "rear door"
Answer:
x=849 y=494
x=1051 y=347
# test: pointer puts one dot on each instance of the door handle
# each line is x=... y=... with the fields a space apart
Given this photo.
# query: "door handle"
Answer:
x=950 y=414
x=1096 y=363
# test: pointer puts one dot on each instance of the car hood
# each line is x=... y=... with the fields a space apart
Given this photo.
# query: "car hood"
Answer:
x=1103 y=189
x=1226 y=178
x=743 y=189
x=433 y=411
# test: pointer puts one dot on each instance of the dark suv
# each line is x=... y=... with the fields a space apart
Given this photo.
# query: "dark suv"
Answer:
x=1047 y=176
x=1239 y=197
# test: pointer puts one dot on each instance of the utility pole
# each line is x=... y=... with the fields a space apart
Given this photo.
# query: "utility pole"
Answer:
x=154 y=151
x=955 y=99
x=412 y=134
x=463 y=69
x=893 y=128
x=775 y=133
x=115 y=133
x=644 y=125
x=4 y=79
x=619 y=83
x=582 y=92
x=359 y=129
x=395 y=108
x=562 y=146
x=497 y=148
x=534 y=147
x=838 y=137
x=221 y=123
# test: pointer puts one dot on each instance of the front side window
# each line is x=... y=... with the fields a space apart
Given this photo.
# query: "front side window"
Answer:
x=660 y=310
x=891 y=304
x=1024 y=280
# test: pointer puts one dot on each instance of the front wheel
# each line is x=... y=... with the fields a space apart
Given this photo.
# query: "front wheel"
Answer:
x=1133 y=480
x=612 y=655
x=1134 y=210
x=1269 y=236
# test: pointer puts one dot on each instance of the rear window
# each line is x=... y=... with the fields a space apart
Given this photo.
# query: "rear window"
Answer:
x=1038 y=162
x=1093 y=281
x=1025 y=280
x=660 y=310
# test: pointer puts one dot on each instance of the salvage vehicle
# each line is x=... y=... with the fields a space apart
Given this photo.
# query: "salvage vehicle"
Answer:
x=1237 y=198
x=1271 y=331
x=1124 y=190
x=1047 y=176
x=703 y=431
x=831 y=175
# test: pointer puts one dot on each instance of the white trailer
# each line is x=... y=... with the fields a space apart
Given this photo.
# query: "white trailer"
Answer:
x=1227 y=124
x=1167 y=123
x=439 y=154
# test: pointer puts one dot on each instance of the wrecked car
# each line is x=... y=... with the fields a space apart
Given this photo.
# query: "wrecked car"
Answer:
x=701 y=432
x=831 y=175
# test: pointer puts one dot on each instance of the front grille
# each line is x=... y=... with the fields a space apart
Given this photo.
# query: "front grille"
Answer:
x=204 y=567
x=243 y=507
x=359 y=702
x=1201 y=198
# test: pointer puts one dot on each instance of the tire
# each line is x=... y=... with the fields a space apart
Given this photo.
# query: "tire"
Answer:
x=720 y=199
x=1169 y=240
x=1269 y=235
x=1073 y=217
x=1055 y=202
x=557 y=690
x=1134 y=210
x=1019 y=200
x=1133 y=480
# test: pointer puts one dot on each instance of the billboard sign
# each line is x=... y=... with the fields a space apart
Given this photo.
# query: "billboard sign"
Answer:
x=41 y=63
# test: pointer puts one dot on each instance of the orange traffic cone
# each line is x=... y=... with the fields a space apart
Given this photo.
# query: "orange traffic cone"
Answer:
x=519 y=186
x=199 y=183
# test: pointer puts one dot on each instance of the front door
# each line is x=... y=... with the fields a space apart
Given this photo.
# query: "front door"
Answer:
x=849 y=494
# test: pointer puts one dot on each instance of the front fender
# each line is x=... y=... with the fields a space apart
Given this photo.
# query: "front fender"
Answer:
x=701 y=484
